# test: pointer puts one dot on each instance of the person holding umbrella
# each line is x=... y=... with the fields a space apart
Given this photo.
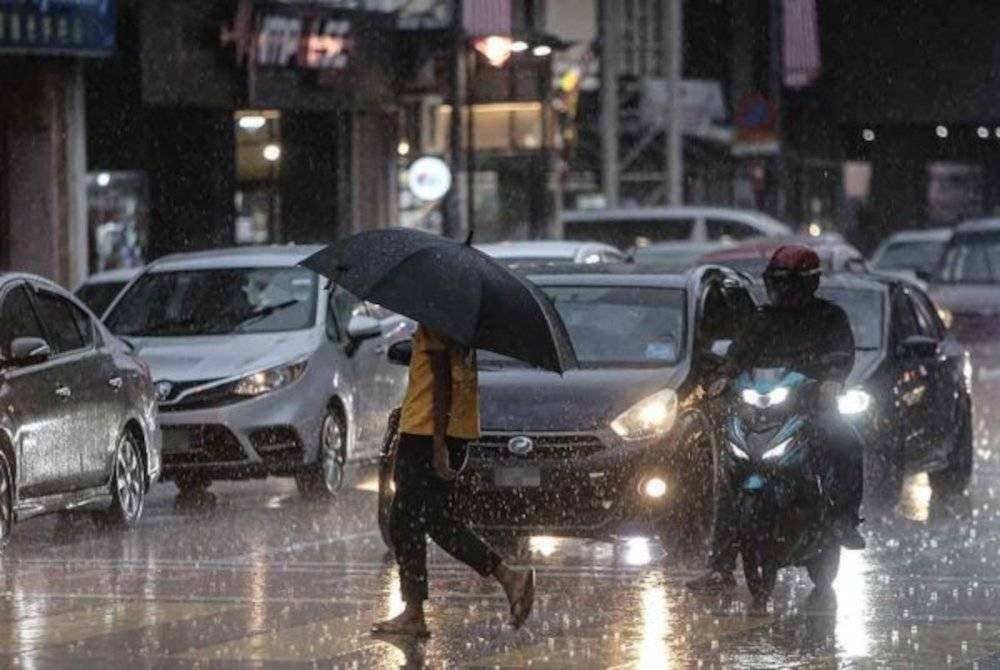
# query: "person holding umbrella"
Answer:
x=440 y=414
x=463 y=301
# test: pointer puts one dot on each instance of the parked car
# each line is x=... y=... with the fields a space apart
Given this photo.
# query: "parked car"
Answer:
x=913 y=254
x=260 y=368
x=541 y=252
x=675 y=256
x=835 y=255
x=625 y=443
x=909 y=391
x=632 y=228
x=966 y=290
x=100 y=289
x=79 y=429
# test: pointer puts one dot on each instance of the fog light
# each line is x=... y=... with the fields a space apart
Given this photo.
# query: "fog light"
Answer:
x=655 y=487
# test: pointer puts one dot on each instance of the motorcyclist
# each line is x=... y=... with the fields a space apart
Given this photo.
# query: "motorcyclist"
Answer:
x=800 y=331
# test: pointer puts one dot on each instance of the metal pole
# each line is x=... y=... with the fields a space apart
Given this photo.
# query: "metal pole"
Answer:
x=611 y=37
x=455 y=222
x=674 y=18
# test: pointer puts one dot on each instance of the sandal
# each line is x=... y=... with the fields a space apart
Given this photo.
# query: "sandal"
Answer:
x=520 y=607
x=391 y=628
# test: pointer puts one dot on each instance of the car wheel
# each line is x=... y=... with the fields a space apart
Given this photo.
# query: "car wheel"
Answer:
x=128 y=483
x=324 y=479
x=386 y=475
x=6 y=501
x=954 y=479
x=884 y=472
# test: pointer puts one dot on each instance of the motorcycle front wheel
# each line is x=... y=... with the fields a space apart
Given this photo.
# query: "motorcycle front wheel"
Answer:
x=823 y=569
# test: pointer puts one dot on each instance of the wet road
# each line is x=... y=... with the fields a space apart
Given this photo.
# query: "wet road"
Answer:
x=263 y=579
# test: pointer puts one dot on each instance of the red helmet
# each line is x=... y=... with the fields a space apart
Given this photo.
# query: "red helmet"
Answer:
x=792 y=260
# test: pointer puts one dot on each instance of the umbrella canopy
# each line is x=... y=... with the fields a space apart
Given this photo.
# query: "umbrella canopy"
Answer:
x=451 y=288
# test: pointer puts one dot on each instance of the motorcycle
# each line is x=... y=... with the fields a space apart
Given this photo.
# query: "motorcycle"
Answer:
x=783 y=514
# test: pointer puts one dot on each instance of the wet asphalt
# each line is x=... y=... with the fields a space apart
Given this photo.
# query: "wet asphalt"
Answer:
x=256 y=577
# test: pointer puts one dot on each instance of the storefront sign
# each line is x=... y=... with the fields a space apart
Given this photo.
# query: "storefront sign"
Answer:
x=70 y=27
x=430 y=178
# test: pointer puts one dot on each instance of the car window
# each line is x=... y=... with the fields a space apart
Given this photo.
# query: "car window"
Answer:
x=98 y=297
x=631 y=232
x=910 y=256
x=972 y=259
x=342 y=308
x=17 y=319
x=60 y=323
x=723 y=230
x=927 y=320
x=904 y=319
x=611 y=257
x=865 y=310
x=716 y=321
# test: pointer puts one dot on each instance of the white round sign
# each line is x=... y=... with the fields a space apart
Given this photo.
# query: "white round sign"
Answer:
x=430 y=178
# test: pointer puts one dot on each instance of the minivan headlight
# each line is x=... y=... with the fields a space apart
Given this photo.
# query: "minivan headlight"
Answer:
x=266 y=381
x=650 y=417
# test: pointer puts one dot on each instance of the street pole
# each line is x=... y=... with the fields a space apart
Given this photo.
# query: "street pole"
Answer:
x=673 y=15
x=456 y=207
x=611 y=38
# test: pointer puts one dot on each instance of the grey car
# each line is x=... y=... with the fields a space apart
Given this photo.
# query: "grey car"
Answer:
x=260 y=367
x=79 y=426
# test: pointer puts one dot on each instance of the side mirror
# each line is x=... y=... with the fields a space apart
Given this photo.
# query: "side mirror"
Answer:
x=29 y=351
x=401 y=352
x=363 y=328
x=919 y=346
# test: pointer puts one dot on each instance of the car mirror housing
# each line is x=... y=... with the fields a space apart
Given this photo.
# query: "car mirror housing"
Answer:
x=29 y=351
x=919 y=346
x=401 y=352
x=363 y=328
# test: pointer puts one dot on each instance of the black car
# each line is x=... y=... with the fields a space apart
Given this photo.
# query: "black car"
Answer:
x=909 y=391
x=624 y=443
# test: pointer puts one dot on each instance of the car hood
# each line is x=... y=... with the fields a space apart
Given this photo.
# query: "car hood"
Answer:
x=180 y=359
x=968 y=299
x=580 y=400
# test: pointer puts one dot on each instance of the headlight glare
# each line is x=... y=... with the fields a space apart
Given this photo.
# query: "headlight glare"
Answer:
x=778 y=451
x=775 y=396
x=854 y=401
x=267 y=381
x=737 y=452
x=650 y=417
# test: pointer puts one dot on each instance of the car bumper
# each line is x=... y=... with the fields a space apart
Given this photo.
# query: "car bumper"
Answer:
x=595 y=486
x=276 y=433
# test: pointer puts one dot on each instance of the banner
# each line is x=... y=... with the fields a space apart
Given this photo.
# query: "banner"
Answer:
x=53 y=27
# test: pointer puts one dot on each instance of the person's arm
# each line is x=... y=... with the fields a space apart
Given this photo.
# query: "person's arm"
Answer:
x=840 y=357
x=441 y=369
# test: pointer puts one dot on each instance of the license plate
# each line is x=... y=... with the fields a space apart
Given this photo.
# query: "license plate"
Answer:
x=517 y=477
x=175 y=441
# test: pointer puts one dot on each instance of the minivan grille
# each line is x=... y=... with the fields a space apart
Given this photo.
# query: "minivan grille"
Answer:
x=545 y=447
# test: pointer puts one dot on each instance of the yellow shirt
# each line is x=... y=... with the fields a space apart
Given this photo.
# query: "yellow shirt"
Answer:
x=418 y=406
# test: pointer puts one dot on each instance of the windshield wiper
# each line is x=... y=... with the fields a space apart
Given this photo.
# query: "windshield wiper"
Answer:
x=264 y=312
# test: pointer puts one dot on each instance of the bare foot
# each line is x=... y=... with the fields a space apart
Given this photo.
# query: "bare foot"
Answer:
x=410 y=622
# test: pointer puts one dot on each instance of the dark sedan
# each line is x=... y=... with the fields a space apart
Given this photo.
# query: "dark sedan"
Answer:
x=624 y=443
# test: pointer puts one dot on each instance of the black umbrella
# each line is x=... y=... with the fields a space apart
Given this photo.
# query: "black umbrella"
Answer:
x=451 y=288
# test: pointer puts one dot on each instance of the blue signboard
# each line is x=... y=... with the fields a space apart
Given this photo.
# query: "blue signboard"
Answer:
x=70 y=27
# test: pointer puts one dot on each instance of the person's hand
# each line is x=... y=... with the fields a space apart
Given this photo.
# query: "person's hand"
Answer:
x=717 y=387
x=829 y=391
x=442 y=466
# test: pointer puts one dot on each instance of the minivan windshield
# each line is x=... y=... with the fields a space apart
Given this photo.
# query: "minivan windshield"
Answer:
x=217 y=302
x=972 y=259
x=617 y=326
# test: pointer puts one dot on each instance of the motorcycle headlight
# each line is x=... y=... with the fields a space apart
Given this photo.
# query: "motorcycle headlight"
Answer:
x=854 y=401
x=737 y=452
x=778 y=451
x=775 y=397
x=650 y=417
x=266 y=381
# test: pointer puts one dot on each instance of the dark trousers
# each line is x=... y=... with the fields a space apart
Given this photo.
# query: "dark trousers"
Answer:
x=840 y=464
x=424 y=506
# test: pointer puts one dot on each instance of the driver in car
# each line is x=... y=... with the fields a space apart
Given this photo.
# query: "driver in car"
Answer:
x=798 y=330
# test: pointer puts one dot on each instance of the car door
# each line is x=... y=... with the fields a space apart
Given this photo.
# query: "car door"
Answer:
x=86 y=383
x=912 y=391
x=356 y=362
x=38 y=407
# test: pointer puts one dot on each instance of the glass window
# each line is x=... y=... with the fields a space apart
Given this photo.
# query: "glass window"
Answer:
x=83 y=324
x=17 y=319
x=619 y=326
x=630 y=232
x=59 y=322
x=972 y=259
x=904 y=319
x=98 y=297
x=343 y=307
x=721 y=229
x=927 y=320
x=865 y=312
x=910 y=256
x=217 y=302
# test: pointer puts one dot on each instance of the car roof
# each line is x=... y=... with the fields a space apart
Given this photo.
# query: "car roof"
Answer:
x=764 y=247
x=540 y=248
x=916 y=235
x=614 y=274
x=759 y=219
x=113 y=276
x=979 y=226
x=270 y=256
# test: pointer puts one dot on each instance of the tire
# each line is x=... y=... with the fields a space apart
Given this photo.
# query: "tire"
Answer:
x=324 y=479
x=385 y=499
x=824 y=568
x=884 y=472
x=6 y=501
x=128 y=483
x=954 y=479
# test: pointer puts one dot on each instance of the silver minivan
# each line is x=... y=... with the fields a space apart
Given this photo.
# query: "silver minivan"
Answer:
x=260 y=367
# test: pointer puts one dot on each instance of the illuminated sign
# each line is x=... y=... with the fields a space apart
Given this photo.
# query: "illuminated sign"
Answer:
x=70 y=27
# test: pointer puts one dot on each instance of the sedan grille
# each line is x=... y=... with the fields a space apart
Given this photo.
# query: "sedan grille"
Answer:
x=184 y=445
x=214 y=396
x=544 y=447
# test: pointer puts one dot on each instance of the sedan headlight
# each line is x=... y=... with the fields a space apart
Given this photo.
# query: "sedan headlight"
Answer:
x=854 y=401
x=266 y=381
x=775 y=397
x=778 y=451
x=650 y=417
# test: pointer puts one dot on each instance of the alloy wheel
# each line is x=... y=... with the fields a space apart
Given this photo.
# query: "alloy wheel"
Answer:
x=129 y=493
x=6 y=502
x=333 y=455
